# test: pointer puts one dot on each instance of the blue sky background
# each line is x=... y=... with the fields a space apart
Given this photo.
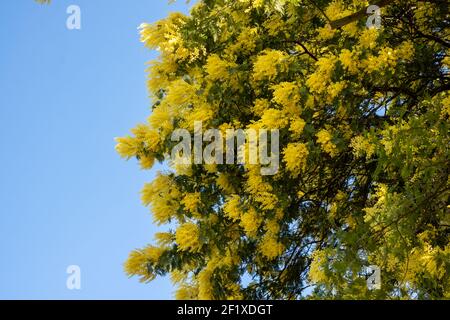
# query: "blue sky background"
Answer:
x=66 y=196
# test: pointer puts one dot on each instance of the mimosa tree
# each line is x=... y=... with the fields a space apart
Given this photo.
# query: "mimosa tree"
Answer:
x=363 y=116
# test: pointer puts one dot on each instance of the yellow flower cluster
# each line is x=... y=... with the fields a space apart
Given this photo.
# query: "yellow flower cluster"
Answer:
x=232 y=208
x=319 y=80
x=324 y=138
x=205 y=288
x=375 y=212
x=368 y=38
x=287 y=95
x=445 y=107
x=179 y=94
x=336 y=9
x=272 y=225
x=163 y=196
x=164 y=238
x=260 y=191
x=165 y=36
x=191 y=202
x=159 y=72
x=251 y=222
x=260 y=106
x=273 y=119
x=274 y=25
x=187 y=237
x=362 y=146
x=326 y=33
x=429 y=259
x=349 y=60
x=162 y=119
x=138 y=260
x=201 y=112
x=127 y=147
x=218 y=69
x=387 y=58
x=316 y=272
x=295 y=157
x=186 y=292
x=217 y=260
x=296 y=127
x=142 y=145
x=224 y=183
x=270 y=247
x=156 y=34
x=245 y=43
x=268 y=64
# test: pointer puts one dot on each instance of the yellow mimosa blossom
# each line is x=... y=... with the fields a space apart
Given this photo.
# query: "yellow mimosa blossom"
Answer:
x=217 y=68
x=158 y=74
x=334 y=90
x=180 y=94
x=349 y=60
x=187 y=237
x=127 y=147
x=268 y=63
x=335 y=10
x=318 y=81
x=162 y=119
x=251 y=222
x=326 y=33
x=205 y=290
x=368 y=38
x=273 y=119
x=137 y=261
x=361 y=146
x=295 y=156
x=445 y=107
x=274 y=25
x=405 y=50
x=224 y=183
x=317 y=273
x=260 y=190
x=146 y=162
x=260 y=106
x=158 y=35
x=152 y=139
x=287 y=95
x=272 y=226
x=191 y=202
x=270 y=247
x=186 y=292
x=245 y=44
x=324 y=138
x=232 y=208
x=296 y=127
x=202 y=112
x=164 y=238
x=163 y=197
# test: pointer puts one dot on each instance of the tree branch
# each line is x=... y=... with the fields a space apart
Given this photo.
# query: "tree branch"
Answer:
x=307 y=51
x=336 y=24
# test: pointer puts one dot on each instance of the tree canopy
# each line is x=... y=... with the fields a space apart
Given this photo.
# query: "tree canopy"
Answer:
x=363 y=116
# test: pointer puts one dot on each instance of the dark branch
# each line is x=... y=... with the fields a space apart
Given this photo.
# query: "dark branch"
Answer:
x=336 y=24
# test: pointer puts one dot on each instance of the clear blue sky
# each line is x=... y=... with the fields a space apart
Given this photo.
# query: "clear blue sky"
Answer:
x=65 y=195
